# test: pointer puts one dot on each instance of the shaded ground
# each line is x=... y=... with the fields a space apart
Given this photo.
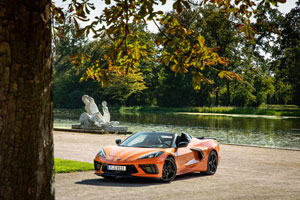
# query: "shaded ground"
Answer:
x=244 y=173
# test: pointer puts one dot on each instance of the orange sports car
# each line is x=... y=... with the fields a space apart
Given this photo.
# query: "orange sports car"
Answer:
x=158 y=155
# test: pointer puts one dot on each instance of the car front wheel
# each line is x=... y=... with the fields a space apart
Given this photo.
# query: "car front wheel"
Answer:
x=169 y=170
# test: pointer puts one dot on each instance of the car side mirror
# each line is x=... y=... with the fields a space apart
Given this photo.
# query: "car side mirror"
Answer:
x=182 y=144
x=118 y=141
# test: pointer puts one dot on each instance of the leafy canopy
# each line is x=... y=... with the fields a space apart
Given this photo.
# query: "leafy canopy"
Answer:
x=183 y=50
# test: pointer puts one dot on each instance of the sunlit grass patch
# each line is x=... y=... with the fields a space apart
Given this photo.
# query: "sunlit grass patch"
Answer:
x=277 y=110
x=66 y=166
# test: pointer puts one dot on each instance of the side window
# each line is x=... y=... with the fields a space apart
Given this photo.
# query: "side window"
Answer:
x=167 y=139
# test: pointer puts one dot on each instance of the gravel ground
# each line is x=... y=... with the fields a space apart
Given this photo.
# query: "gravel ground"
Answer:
x=244 y=173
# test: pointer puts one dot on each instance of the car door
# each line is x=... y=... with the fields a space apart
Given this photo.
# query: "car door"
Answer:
x=184 y=157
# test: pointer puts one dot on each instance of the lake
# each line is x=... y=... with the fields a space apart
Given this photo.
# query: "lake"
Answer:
x=279 y=133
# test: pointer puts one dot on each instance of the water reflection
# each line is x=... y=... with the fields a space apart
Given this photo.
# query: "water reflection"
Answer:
x=254 y=131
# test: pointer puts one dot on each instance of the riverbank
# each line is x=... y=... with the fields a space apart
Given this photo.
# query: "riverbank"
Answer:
x=239 y=115
x=280 y=111
x=243 y=173
x=268 y=110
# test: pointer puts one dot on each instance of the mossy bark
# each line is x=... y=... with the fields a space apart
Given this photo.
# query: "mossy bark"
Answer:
x=26 y=141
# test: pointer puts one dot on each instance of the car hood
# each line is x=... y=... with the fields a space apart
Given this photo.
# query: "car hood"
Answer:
x=119 y=153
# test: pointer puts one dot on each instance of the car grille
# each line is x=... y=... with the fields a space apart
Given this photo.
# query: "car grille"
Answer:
x=130 y=169
x=149 y=168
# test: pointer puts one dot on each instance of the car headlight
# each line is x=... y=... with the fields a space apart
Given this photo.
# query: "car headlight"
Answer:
x=102 y=153
x=152 y=155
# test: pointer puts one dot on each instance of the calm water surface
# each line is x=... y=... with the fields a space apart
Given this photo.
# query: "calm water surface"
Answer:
x=238 y=130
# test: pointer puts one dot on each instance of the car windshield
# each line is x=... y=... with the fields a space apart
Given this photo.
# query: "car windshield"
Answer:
x=149 y=140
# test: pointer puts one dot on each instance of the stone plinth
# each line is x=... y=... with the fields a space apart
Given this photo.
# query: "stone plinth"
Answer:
x=104 y=128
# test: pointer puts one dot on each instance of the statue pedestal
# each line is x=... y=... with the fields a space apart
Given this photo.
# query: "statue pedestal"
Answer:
x=116 y=129
x=103 y=128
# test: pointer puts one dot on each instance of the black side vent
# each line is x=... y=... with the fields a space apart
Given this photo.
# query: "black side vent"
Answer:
x=149 y=168
x=200 y=153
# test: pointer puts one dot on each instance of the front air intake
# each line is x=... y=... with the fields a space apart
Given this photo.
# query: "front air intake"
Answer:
x=97 y=165
x=149 y=168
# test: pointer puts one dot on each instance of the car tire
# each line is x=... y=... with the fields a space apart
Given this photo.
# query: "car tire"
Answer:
x=212 y=163
x=169 y=170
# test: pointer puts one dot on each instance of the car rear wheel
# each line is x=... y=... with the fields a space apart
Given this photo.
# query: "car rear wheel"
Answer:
x=169 y=170
x=212 y=163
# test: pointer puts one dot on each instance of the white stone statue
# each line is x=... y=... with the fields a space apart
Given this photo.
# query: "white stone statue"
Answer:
x=90 y=105
x=92 y=117
x=106 y=115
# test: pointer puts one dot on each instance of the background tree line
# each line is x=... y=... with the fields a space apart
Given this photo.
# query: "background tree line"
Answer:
x=268 y=65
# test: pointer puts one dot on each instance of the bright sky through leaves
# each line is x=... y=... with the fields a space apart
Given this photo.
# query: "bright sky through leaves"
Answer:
x=100 y=5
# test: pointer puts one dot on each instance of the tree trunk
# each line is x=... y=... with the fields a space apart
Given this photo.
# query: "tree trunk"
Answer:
x=26 y=141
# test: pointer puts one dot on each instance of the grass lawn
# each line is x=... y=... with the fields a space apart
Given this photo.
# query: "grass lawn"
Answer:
x=277 y=110
x=66 y=166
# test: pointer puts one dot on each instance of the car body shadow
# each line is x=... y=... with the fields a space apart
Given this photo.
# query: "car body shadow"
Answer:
x=134 y=181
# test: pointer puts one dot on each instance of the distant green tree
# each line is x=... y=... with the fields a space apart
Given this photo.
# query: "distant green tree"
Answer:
x=68 y=89
x=283 y=94
x=220 y=33
x=264 y=86
x=287 y=52
x=243 y=93
x=69 y=86
x=66 y=92
x=149 y=67
x=121 y=87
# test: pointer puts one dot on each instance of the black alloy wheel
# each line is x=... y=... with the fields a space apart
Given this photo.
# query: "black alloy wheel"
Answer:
x=169 y=170
x=212 y=163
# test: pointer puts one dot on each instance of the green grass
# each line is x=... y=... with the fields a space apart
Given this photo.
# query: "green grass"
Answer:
x=66 y=166
x=277 y=110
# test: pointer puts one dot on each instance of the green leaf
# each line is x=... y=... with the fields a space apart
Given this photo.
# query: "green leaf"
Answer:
x=166 y=60
x=201 y=40
x=221 y=74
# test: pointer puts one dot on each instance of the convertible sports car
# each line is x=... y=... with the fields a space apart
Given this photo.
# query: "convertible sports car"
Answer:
x=158 y=155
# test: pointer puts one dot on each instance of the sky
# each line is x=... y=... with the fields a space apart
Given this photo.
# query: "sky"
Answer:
x=100 y=5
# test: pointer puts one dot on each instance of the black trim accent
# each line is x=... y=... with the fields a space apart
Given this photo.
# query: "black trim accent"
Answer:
x=149 y=168
x=200 y=153
x=97 y=165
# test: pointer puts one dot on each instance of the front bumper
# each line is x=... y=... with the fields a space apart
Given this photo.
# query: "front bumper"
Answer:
x=140 y=168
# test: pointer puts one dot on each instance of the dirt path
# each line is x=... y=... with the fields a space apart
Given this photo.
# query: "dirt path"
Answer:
x=244 y=173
